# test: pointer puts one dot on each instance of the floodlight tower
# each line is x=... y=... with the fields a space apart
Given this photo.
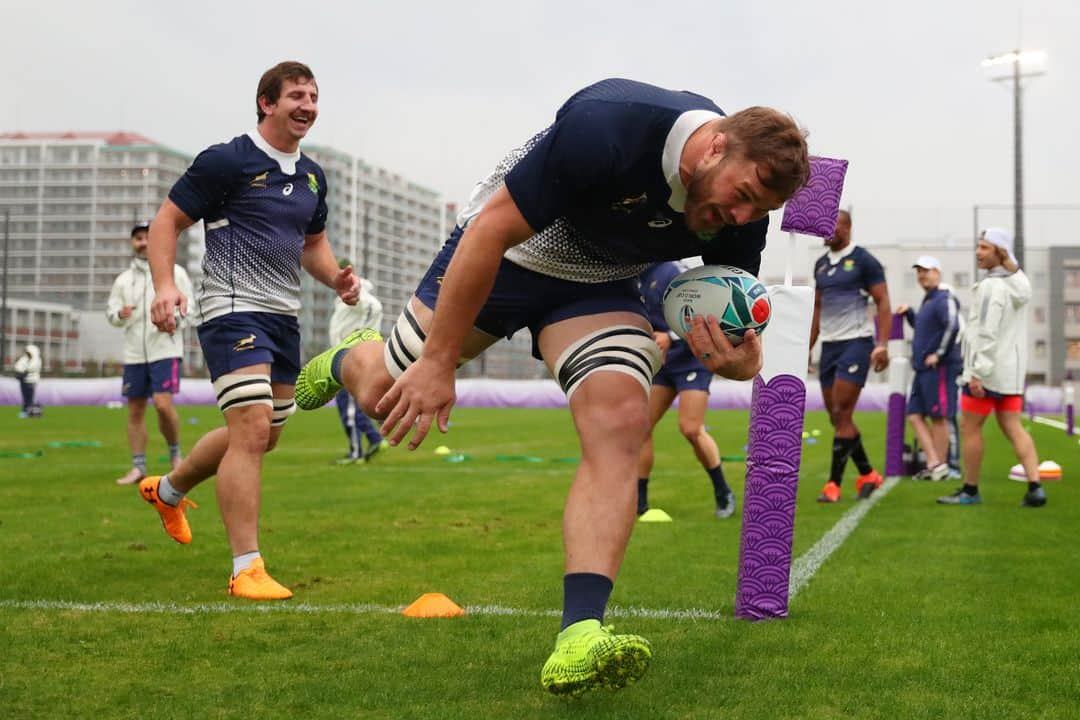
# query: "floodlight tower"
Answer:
x=1011 y=67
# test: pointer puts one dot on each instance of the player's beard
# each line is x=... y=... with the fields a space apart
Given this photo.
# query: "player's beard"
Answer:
x=695 y=203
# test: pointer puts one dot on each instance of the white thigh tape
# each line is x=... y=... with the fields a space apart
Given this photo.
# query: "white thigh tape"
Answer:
x=236 y=390
x=405 y=343
x=622 y=348
x=282 y=410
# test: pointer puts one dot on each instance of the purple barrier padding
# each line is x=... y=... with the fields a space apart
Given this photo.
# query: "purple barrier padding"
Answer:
x=896 y=330
x=1044 y=399
x=1070 y=424
x=478 y=392
x=772 y=477
x=813 y=208
x=98 y=391
x=894 y=436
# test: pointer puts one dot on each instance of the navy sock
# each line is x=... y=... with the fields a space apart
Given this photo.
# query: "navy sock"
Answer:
x=858 y=454
x=642 y=495
x=585 y=597
x=841 y=451
x=719 y=485
x=335 y=364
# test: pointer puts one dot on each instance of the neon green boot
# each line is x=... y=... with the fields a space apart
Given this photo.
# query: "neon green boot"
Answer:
x=588 y=656
x=315 y=386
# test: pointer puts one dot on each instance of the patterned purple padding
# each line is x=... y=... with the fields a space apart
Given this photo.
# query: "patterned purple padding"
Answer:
x=772 y=479
x=812 y=209
x=1070 y=421
x=894 y=436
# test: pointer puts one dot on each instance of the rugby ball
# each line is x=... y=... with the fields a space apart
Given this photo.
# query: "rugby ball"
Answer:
x=737 y=299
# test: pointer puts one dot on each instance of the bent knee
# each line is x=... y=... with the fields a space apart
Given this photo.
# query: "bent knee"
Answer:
x=370 y=395
x=691 y=430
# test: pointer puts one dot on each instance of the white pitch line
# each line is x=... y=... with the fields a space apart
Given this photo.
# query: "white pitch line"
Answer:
x=1051 y=422
x=348 y=609
x=802 y=570
x=811 y=561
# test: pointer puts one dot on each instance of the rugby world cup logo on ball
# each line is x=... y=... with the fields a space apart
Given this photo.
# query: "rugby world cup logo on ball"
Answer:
x=737 y=299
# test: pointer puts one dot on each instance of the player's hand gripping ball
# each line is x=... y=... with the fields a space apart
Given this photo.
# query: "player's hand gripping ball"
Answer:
x=737 y=299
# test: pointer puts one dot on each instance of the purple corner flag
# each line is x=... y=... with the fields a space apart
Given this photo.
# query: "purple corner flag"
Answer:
x=812 y=209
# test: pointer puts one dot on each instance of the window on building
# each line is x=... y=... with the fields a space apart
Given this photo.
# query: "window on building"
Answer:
x=1072 y=279
x=1072 y=313
x=1039 y=315
x=961 y=279
x=1073 y=350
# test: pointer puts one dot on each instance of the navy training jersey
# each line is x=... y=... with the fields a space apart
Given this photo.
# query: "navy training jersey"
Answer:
x=652 y=284
x=602 y=190
x=844 y=281
x=257 y=204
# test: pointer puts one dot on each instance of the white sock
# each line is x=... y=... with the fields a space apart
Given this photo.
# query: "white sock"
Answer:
x=167 y=493
x=243 y=562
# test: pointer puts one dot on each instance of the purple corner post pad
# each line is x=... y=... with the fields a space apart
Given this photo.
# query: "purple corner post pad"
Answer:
x=772 y=476
x=812 y=209
x=894 y=436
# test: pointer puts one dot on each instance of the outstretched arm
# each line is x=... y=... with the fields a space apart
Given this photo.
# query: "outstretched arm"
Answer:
x=425 y=392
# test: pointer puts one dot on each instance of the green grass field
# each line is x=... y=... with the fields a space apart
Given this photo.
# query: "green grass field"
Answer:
x=925 y=611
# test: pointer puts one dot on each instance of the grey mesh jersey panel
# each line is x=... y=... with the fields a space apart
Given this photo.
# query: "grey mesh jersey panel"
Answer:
x=241 y=272
x=559 y=250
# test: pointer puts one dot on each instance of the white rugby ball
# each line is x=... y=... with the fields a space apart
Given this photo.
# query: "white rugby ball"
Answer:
x=737 y=299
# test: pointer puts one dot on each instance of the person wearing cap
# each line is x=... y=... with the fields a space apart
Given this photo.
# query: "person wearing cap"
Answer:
x=345 y=320
x=995 y=367
x=846 y=278
x=936 y=359
x=152 y=359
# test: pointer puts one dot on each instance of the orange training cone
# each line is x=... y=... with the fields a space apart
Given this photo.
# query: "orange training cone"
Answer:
x=433 y=605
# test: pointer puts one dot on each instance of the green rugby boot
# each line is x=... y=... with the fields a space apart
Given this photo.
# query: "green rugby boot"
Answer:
x=588 y=656
x=315 y=386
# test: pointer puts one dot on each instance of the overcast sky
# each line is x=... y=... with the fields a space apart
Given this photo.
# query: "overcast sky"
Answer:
x=437 y=91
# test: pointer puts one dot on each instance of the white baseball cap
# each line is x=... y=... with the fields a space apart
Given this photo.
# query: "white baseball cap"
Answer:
x=999 y=238
x=927 y=262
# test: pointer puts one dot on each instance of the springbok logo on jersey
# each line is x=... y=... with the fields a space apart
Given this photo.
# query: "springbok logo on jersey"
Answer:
x=313 y=183
x=260 y=180
x=627 y=205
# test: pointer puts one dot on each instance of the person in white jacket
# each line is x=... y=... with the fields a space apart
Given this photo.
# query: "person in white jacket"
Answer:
x=152 y=358
x=347 y=319
x=995 y=366
x=28 y=372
